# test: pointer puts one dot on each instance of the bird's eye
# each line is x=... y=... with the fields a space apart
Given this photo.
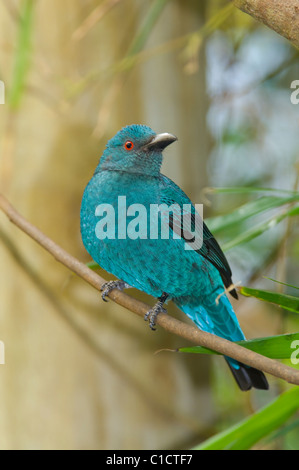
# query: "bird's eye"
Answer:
x=129 y=145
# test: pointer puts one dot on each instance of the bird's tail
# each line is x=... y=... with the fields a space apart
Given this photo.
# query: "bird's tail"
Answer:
x=247 y=377
x=219 y=318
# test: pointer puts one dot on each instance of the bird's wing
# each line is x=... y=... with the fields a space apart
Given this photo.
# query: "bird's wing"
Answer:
x=171 y=194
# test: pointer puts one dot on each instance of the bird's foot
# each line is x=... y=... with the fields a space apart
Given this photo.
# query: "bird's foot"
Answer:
x=152 y=314
x=110 y=285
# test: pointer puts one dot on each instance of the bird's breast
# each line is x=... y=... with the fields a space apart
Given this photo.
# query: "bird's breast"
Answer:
x=117 y=206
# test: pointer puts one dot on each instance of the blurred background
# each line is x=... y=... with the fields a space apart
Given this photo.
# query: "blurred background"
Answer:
x=81 y=374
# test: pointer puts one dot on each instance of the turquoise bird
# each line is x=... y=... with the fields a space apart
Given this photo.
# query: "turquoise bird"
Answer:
x=140 y=226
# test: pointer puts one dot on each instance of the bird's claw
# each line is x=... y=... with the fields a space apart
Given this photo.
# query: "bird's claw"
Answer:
x=152 y=314
x=110 y=285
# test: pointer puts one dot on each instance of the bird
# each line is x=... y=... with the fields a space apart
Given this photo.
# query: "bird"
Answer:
x=185 y=266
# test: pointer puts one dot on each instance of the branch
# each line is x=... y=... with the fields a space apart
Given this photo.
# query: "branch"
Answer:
x=170 y=324
x=280 y=15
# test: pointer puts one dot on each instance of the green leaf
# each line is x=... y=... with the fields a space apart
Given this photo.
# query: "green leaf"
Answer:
x=93 y=265
x=283 y=283
x=289 y=302
x=248 y=210
x=153 y=15
x=248 y=432
x=251 y=209
x=285 y=430
x=259 y=229
x=274 y=347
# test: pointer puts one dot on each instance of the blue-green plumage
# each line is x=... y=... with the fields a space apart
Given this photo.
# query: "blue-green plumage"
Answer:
x=192 y=278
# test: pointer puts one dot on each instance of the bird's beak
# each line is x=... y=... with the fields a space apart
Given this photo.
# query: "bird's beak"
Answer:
x=160 y=141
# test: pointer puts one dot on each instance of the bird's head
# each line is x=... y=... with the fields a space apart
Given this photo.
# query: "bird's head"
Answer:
x=135 y=149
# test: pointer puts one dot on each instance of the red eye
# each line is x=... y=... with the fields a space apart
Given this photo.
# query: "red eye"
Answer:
x=129 y=145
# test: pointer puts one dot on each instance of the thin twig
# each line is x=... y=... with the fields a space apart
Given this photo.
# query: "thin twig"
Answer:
x=153 y=401
x=95 y=16
x=167 y=322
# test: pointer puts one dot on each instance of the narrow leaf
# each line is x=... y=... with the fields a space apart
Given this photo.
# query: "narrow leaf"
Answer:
x=259 y=229
x=248 y=210
x=289 y=302
x=248 y=432
x=153 y=15
x=283 y=283
x=274 y=347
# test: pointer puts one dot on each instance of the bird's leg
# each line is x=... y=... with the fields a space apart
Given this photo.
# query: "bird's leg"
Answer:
x=110 y=285
x=152 y=314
